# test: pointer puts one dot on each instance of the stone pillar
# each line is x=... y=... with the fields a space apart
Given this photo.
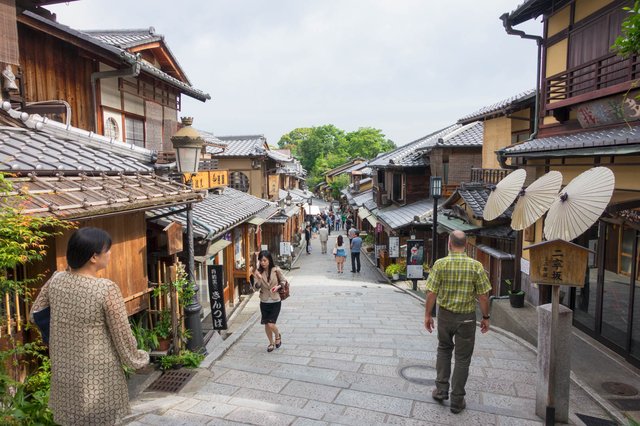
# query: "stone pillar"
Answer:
x=563 y=361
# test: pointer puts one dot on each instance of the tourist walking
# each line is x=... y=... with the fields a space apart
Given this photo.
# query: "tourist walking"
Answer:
x=356 y=245
x=268 y=279
x=307 y=239
x=323 y=233
x=90 y=337
x=351 y=233
x=455 y=282
x=340 y=253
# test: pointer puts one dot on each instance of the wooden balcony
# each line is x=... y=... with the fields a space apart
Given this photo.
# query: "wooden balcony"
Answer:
x=607 y=75
x=491 y=176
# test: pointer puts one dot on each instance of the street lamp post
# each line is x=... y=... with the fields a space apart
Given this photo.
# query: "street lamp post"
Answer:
x=188 y=143
x=435 y=188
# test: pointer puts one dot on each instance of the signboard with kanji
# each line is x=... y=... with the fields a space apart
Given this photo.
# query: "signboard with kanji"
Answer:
x=216 y=296
x=415 y=259
x=210 y=179
x=558 y=262
x=394 y=247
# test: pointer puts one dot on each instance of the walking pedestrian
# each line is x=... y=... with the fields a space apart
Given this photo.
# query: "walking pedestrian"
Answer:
x=348 y=225
x=307 y=239
x=323 y=233
x=340 y=253
x=329 y=223
x=351 y=233
x=356 y=245
x=268 y=279
x=90 y=337
x=455 y=282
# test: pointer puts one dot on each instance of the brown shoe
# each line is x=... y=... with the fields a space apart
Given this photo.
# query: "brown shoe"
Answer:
x=457 y=408
x=439 y=396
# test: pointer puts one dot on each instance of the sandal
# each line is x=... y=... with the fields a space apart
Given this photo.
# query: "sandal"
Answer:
x=279 y=341
x=270 y=348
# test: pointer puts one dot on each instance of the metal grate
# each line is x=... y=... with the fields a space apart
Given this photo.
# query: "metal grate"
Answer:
x=627 y=404
x=620 y=389
x=171 y=381
x=595 y=421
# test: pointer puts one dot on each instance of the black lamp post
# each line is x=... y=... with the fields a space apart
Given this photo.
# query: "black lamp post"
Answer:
x=435 y=188
x=188 y=143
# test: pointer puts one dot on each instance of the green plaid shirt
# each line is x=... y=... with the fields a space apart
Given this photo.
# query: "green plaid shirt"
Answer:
x=456 y=280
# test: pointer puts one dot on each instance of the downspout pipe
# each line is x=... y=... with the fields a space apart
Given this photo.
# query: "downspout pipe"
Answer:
x=133 y=71
x=502 y=159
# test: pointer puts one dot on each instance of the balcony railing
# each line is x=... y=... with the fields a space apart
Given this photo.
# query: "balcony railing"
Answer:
x=588 y=80
x=492 y=176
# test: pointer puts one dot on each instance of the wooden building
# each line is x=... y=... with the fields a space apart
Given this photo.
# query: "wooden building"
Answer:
x=588 y=117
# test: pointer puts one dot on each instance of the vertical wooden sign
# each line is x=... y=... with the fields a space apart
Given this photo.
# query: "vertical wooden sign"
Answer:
x=215 y=277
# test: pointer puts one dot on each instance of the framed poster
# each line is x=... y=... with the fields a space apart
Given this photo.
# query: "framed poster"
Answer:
x=285 y=248
x=394 y=247
x=215 y=279
x=415 y=259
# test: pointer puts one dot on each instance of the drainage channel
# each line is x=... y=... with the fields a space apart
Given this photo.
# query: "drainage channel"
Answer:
x=171 y=381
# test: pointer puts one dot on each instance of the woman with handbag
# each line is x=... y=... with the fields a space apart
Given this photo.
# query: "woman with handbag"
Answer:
x=90 y=336
x=340 y=253
x=269 y=280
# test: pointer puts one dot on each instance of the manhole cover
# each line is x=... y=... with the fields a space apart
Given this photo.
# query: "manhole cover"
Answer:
x=595 y=421
x=621 y=389
x=348 y=293
x=171 y=381
x=418 y=374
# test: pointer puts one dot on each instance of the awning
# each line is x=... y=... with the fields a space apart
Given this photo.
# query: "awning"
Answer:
x=363 y=213
x=214 y=248
x=372 y=220
x=257 y=220
x=448 y=224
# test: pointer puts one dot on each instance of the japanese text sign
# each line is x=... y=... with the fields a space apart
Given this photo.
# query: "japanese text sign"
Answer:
x=216 y=296
x=558 y=262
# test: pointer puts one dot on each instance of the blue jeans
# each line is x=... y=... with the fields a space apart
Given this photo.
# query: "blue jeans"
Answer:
x=355 y=258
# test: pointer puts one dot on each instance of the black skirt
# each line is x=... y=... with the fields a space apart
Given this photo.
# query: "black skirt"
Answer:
x=270 y=312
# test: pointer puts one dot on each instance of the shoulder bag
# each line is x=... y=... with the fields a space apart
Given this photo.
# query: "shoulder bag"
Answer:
x=283 y=291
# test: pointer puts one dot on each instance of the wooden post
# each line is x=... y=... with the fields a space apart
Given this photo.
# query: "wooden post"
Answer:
x=555 y=309
x=174 y=306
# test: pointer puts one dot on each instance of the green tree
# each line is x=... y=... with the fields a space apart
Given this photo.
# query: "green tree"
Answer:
x=338 y=184
x=628 y=43
x=321 y=141
x=23 y=240
x=367 y=142
x=292 y=139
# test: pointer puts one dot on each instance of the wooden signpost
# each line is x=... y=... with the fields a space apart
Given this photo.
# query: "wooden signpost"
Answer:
x=556 y=263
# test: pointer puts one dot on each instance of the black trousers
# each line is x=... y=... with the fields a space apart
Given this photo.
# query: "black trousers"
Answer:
x=355 y=258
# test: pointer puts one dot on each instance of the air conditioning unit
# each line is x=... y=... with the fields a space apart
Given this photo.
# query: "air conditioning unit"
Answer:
x=385 y=200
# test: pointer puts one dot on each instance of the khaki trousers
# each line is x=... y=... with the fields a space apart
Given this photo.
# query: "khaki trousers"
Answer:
x=323 y=245
x=455 y=331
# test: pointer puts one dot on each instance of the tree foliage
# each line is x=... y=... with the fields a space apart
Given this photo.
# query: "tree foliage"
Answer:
x=628 y=43
x=338 y=184
x=325 y=147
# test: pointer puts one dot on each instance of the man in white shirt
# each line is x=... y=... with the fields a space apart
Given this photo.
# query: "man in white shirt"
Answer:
x=324 y=237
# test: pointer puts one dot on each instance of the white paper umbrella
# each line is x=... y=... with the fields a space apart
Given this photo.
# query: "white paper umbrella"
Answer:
x=503 y=195
x=535 y=200
x=579 y=204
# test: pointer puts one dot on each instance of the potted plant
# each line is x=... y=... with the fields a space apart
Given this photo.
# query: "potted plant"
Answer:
x=368 y=243
x=516 y=297
x=393 y=271
x=403 y=268
x=163 y=331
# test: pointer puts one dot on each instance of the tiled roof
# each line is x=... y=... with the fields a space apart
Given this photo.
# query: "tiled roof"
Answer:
x=621 y=138
x=475 y=196
x=297 y=195
x=406 y=155
x=371 y=205
x=343 y=167
x=86 y=196
x=503 y=107
x=217 y=213
x=399 y=216
x=126 y=39
x=123 y=55
x=531 y=9
x=359 y=166
x=47 y=147
x=363 y=197
x=240 y=146
x=469 y=135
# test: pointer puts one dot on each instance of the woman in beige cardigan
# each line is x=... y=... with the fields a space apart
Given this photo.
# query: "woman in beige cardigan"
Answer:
x=268 y=279
x=90 y=337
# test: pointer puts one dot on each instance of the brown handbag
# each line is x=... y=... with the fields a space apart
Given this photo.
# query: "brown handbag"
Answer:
x=283 y=291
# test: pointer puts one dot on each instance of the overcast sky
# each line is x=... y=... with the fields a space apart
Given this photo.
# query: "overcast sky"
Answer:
x=407 y=67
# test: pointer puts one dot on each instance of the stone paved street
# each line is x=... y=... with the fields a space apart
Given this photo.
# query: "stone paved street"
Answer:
x=347 y=341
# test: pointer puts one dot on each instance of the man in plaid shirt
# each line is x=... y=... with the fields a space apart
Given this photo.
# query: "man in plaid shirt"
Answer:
x=455 y=281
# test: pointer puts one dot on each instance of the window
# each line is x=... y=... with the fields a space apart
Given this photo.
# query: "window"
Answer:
x=111 y=129
x=134 y=131
x=239 y=181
